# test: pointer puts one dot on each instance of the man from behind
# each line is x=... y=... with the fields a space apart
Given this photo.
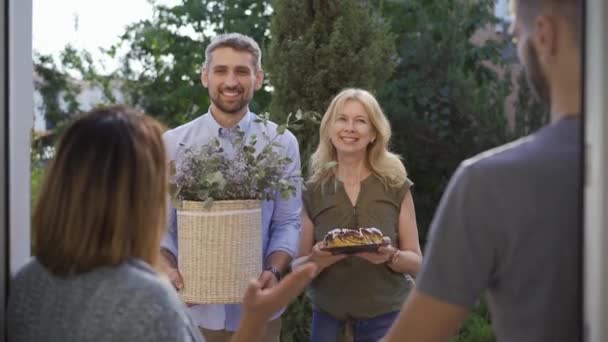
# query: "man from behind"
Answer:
x=509 y=224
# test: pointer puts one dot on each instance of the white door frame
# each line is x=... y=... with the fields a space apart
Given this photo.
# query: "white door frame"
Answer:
x=595 y=287
x=16 y=117
x=3 y=165
x=20 y=121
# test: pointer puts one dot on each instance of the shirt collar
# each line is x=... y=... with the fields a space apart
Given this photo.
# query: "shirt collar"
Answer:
x=243 y=125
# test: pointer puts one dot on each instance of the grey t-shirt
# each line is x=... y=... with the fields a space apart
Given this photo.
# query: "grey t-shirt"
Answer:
x=509 y=224
x=124 y=303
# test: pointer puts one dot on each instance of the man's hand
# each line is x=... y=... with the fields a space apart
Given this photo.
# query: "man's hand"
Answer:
x=169 y=268
x=262 y=302
x=268 y=280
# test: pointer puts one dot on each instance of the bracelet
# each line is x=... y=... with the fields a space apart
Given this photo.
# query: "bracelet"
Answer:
x=274 y=271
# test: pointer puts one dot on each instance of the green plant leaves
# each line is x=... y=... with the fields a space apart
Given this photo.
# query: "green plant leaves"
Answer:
x=254 y=172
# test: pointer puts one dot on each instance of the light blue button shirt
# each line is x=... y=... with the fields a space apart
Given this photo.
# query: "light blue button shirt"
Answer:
x=280 y=218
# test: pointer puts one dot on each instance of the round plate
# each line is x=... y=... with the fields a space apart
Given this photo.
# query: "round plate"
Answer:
x=354 y=249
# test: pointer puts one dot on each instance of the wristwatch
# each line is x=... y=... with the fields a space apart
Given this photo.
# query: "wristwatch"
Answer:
x=274 y=271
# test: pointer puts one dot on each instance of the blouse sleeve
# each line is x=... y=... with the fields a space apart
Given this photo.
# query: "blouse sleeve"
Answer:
x=407 y=186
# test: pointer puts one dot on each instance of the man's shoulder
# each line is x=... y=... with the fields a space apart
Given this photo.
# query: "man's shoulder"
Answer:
x=184 y=129
x=515 y=164
x=190 y=131
x=272 y=129
x=513 y=154
x=495 y=166
x=551 y=144
x=260 y=123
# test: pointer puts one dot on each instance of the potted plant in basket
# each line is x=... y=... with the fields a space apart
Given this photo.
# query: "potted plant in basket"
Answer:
x=218 y=200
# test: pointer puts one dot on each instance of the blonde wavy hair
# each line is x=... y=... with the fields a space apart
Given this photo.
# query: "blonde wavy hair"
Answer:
x=387 y=166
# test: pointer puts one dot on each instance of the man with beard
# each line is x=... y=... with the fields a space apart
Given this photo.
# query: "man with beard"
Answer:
x=509 y=224
x=231 y=73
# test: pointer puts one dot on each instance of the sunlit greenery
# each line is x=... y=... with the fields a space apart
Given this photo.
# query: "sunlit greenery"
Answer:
x=444 y=94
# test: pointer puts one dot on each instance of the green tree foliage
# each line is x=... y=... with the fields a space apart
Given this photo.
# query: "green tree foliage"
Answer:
x=58 y=94
x=530 y=114
x=60 y=83
x=317 y=49
x=443 y=94
x=161 y=60
x=320 y=47
x=35 y=178
x=296 y=321
x=162 y=65
x=476 y=328
x=446 y=99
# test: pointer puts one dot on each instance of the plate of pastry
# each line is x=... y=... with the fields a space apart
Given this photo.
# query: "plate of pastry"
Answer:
x=348 y=241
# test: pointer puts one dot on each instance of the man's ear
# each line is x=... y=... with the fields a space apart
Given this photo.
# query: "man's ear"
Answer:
x=259 y=79
x=205 y=77
x=545 y=36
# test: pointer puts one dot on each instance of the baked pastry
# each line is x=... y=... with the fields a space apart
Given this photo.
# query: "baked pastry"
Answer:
x=373 y=235
x=342 y=237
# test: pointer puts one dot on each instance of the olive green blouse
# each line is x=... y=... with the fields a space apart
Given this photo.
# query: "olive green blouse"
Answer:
x=355 y=288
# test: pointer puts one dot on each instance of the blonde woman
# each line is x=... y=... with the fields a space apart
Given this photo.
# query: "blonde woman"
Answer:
x=97 y=229
x=366 y=187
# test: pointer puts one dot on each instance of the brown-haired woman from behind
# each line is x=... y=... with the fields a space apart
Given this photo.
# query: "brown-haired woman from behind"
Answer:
x=96 y=230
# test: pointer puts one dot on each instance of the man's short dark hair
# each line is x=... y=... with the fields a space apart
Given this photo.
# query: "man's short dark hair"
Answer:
x=238 y=42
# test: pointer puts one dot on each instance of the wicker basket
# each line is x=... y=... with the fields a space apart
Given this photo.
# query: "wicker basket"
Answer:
x=220 y=249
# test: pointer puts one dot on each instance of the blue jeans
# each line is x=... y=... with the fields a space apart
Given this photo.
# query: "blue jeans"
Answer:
x=325 y=328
